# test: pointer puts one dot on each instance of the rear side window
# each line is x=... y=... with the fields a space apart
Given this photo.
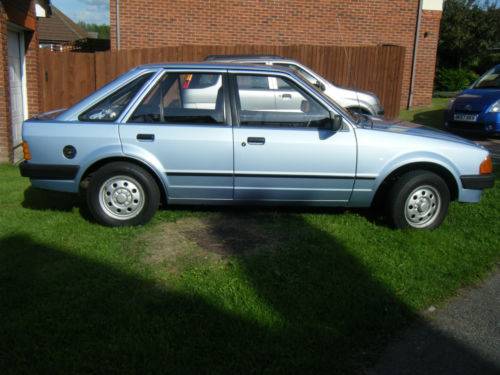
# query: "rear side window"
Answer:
x=183 y=98
x=113 y=105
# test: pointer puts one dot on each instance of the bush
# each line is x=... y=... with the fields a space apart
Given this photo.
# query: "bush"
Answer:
x=453 y=79
x=487 y=62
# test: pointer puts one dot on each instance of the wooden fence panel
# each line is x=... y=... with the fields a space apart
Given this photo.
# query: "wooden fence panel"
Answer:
x=68 y=77
x=65 y=77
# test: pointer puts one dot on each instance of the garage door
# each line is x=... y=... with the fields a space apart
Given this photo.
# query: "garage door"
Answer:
x=17 y=95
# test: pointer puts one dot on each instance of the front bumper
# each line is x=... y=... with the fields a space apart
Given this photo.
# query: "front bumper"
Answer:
x=486 y=123
x=478 y=182
x=472 y=128
x=48 y=171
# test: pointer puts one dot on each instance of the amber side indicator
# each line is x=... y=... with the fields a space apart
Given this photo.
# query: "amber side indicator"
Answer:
x=486 y=166
x=26 y=151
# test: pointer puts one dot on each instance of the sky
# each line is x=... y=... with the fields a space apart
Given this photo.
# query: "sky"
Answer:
x=97 y=11
x=89 y=11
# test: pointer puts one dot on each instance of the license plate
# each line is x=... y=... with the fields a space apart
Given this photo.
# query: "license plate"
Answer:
x=461 y=117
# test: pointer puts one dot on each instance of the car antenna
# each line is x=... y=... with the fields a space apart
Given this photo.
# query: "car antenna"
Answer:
x=349 y=65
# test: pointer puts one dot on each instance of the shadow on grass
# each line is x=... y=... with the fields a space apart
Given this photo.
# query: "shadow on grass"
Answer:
x=432 y=118
x=65 y=314
x=38 y=199
x=374 y=215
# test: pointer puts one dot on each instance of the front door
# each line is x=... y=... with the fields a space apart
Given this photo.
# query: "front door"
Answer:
x=287 y=155
x=15 y=43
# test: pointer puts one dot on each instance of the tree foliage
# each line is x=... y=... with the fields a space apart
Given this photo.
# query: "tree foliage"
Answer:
x=469 y=30
x=102 y=30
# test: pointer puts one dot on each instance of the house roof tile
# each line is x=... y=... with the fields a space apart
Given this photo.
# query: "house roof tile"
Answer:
x=59 y=27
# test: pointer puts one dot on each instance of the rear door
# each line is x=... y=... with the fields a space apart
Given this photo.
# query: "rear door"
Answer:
x=181 y=127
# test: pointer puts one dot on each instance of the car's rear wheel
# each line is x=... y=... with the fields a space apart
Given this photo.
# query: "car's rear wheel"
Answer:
x=419 y=200
x=121 y=194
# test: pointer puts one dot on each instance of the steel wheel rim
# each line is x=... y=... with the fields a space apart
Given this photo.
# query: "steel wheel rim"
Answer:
x=422 y=206
x=121 y=197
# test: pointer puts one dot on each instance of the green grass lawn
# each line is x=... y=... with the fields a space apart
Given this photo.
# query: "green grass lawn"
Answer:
x=78 y=298
x=430 y=116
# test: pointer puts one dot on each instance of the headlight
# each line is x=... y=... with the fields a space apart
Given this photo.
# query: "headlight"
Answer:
x=495 y=107
x=450 y=104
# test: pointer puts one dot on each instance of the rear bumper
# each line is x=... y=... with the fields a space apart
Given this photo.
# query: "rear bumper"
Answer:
x=478 y=182
x=48 y=171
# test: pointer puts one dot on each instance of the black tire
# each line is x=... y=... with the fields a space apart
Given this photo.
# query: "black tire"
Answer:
x=122 y=194
x=418 y=200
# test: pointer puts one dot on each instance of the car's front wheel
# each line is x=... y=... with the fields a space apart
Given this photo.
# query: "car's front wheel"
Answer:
x=419 y=200
x=121 y=194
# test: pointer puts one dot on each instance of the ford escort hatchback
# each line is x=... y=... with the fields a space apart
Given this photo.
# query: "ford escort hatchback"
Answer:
x=142 y=140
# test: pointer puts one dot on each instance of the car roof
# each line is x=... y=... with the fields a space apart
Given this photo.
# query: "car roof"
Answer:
x=255 y=59
x=242 y=56
x=222 y=65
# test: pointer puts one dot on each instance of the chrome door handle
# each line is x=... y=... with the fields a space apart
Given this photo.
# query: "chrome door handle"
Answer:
x=145 y=137
x=256 y=140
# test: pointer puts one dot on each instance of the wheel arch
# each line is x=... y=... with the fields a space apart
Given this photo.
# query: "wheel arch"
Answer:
x=92 y=168
x=441 y=171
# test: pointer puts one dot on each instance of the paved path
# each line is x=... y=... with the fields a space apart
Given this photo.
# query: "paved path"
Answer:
x=460 y=339
x=493 y=145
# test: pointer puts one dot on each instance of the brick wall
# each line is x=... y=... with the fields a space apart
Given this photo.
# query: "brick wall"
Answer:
x=151 y=23
x=426 y=58
x=22 y=13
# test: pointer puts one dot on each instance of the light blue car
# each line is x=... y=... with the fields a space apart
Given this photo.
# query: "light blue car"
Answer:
x=162 y=133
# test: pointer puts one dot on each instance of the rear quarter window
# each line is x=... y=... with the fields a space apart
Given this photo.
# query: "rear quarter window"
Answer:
x=109 y=108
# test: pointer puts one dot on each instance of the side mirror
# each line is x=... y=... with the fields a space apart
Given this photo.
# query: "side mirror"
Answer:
x=335 y=123
x=319 y=85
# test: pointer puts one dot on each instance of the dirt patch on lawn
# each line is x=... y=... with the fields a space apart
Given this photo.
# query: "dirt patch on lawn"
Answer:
x=208 y=240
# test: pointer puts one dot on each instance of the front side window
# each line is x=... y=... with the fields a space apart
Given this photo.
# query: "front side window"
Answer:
x=284 y=105
x=113 y=105
x=183 y=98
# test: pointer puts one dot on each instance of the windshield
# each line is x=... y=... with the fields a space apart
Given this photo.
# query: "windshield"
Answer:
x=489 y=80
x=311 y=79
x=353 y=117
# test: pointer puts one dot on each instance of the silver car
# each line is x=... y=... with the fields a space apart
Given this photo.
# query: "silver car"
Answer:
x=353 y=100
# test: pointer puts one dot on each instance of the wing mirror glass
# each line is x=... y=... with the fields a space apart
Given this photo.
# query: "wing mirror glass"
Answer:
x=335 y=123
